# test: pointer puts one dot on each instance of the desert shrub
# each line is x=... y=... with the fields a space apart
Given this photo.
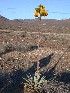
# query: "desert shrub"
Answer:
x=31 y=47
x=9 y=48
x=23 y=34
x=25 y=48
x=20 y=47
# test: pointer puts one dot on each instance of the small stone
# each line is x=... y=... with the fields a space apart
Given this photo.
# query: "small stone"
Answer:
x=7 y=42
x=0 y=58
x=11 y=39
x=22 y=40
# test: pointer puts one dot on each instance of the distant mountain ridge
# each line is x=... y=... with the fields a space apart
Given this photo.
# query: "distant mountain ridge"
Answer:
x=3 y=18
x=31 y=24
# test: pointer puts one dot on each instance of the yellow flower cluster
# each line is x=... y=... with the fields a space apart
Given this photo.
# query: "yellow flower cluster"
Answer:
x=36 y=14
x=40 y=11
x=43 y=12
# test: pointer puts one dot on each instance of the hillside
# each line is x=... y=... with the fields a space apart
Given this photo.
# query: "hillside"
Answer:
x=50 y=25
x=19 y=53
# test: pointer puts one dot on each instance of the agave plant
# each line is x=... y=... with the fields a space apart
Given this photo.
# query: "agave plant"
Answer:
x=34 y=84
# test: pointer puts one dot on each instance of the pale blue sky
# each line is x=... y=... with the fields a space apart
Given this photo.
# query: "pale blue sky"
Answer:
x=24 y=9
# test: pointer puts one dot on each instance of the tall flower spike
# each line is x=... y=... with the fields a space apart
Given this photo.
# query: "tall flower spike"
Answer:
x=39 y=12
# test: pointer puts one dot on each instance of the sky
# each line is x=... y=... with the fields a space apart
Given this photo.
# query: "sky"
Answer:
x=24 y=9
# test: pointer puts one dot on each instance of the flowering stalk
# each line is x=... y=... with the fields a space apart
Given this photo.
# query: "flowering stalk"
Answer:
x=39 y=39
x=39 y=12
x=35 y=84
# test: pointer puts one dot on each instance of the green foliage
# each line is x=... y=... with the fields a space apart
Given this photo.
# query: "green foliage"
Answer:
x=34 y=83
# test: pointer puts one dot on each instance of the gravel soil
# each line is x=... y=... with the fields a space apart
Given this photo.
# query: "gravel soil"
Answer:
x=19 y=55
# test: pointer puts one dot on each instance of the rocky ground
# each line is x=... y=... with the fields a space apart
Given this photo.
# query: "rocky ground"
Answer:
x=19 y=54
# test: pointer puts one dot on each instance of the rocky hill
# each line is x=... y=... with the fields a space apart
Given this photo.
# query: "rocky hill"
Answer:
x=50 y=25
x=19 y=54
